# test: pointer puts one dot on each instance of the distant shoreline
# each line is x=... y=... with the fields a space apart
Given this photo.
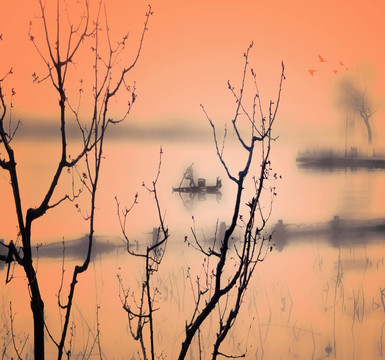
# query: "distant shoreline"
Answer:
x=329 y=159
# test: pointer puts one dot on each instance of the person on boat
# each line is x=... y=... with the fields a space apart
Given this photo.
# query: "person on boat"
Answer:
x=190 y=176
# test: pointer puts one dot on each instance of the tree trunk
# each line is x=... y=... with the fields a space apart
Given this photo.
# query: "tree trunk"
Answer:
x=370 y=137
x=37 y=307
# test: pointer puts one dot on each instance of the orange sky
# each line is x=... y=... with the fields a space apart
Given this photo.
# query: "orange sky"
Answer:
x=193 y=48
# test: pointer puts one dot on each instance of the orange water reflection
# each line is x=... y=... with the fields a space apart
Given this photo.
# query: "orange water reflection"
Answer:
x=294 y=308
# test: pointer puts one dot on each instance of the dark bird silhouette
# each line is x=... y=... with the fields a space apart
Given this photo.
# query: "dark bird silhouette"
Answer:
x=335 y=71
x=311 y=72
x=1 y=36
x=341 y=63
x=321 y=59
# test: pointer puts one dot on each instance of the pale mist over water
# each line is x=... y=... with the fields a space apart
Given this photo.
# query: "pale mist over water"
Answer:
x=318 y=294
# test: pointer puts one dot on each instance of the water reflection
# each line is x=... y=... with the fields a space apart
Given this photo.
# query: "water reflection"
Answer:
x=337 y=232
x=189 y=198
x=313 y=299
x=321 y=295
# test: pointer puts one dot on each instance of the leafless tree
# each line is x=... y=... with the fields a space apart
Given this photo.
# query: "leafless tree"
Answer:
x=226 y=276
x=58 y=57
x=142 y=310
x=355 y=98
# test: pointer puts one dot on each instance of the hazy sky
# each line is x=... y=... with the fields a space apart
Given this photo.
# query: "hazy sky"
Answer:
x=193 y=47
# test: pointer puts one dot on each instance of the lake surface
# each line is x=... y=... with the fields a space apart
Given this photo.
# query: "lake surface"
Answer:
x=318 y=296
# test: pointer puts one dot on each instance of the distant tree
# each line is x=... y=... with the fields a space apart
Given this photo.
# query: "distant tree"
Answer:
x=109 y=79
x=355 y=98
x=232 y=265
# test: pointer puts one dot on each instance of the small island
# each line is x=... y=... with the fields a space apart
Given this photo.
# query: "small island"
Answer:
x=329 y=159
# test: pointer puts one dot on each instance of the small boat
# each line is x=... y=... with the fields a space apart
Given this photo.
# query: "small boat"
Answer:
x=199 y=187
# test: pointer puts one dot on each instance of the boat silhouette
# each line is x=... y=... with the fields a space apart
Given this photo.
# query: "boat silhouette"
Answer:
x=199 y=187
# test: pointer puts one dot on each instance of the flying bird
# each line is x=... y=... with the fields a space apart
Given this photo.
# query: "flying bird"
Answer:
x=321 y=59
x=311 y=72
x=341 y=63
x=335 y=71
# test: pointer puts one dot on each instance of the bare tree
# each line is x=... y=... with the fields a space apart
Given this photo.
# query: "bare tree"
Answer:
x=142 y=311
x=58 y=57
x=227 y=277
x=355 y=98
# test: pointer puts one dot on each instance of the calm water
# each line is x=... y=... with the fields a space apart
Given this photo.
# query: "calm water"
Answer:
x=318 y=297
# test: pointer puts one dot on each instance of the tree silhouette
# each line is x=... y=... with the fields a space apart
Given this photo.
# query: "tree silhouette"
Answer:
x=356 y=99
x=229 y=276
x=58 y=58
x=144 y=312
